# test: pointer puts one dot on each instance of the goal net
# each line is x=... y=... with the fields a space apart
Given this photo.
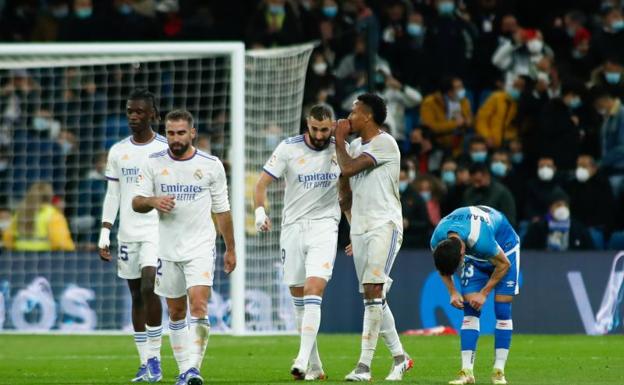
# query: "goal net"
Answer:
x=63 y=106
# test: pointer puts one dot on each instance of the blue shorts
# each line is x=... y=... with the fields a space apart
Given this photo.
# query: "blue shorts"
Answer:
x=476 y=274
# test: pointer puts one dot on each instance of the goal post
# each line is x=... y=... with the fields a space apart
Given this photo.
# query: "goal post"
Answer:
x=63 y=105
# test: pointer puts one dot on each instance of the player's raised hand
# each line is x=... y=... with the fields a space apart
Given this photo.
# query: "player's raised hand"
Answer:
x=104 y=244
x=343 y=128
x=476 y=301
x=349 y=250
x=164 y=204
x=457 y=300
x=263 y=222
x=229 y=261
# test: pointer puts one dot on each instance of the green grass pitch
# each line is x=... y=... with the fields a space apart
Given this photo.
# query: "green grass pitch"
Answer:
x=56 y=359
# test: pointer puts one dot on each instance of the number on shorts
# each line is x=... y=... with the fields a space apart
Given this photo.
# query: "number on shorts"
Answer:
x=283 y=256
x=467 y=273
x=159 y=268
x=123 y=252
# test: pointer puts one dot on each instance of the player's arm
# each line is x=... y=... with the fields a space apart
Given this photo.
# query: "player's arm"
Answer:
x=456 y=298
x=501 y=267
x=110 y=207
x=226 y=227
x=145 y=201
x=345 y=196
x=263 y=222
x=349 y=166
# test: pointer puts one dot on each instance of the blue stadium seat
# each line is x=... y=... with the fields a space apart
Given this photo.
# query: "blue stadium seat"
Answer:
x=616 y=242
x=597 y=237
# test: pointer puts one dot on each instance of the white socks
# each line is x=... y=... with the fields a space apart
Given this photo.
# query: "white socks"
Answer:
x=199 y=332
x=140 y=340
x=179 y=338
x=314 y=358
x=373 y=316
x=309 y=327
x=389 y=333
x=154 y=341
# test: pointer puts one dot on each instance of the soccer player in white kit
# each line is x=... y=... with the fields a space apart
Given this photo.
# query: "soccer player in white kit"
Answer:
x=372 y=163
x=310 y=221
x=137 y=237
x=186 y=186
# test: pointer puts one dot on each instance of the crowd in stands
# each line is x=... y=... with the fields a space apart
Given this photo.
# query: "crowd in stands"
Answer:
x=514 y=104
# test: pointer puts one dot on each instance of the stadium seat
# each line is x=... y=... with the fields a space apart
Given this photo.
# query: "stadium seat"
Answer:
x=597 y=237
x=616 y=242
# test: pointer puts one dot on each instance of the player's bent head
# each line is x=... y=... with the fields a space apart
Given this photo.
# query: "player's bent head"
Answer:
x=447 y=256
x=375 y=105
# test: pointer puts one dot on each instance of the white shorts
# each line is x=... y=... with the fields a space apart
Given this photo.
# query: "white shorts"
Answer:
x=374 y=253
x=308 y=249
x=173 y=279
x=134 y=256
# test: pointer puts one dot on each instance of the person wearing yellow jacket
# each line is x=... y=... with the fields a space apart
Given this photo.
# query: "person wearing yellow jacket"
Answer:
x=37 y=225
x=495 y=117
x=447 y=113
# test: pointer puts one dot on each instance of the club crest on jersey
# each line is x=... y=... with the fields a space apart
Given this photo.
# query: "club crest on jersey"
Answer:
x=198 y=174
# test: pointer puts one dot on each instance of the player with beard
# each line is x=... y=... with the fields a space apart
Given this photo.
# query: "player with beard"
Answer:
x=310 y=220
x=186 y=186
x=137 y=239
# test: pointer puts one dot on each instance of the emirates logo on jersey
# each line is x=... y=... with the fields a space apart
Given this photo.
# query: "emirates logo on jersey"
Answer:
x=198 y=174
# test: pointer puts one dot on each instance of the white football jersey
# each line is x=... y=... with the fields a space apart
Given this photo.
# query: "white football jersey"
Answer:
x=200 y=189
x=376 y=199
x=125 y=160
x=311 y=177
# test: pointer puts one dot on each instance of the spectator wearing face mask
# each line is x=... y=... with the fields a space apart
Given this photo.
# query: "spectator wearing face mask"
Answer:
x=416 y=226
x=591 y=197
x=521 y=55
x=274 y=23
x=402 y=45
x=502 y=170
x=319 y=79
x=448 y=114
x=610 y=75
x=560 y=127
x=430 y=190
x=569 y=38
x=609 y=39
x=84 y=23
x=495 y=118
x=611 y=133
x=449 y=43
x=484 y=190
x=456 y=179
x=557 y=230
x=423 y=151
x=540 y=189
x=47 y=24
x=477 y=151
x=130 y=25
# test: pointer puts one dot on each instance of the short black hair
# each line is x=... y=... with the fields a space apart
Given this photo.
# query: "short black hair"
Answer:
x=477 y=139
x=376 y=105
x=144 y=94
x=479 y=167
x=573 y=86
x=599 y=92
x=176 y=115
x=447 y=256
x=446 y=84
x=321 y=112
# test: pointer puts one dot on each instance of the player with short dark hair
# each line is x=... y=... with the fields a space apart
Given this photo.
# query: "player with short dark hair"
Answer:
x=137 y=236
x=186 y=186
x=372 y=163
x=482 y=242
x=311 y=206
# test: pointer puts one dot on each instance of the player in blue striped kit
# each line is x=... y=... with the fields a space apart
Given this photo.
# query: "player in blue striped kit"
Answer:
x=481 y=241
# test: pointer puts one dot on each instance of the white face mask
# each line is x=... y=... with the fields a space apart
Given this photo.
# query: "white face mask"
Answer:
x=535 y=46
x=546 y=173
x=582 y=174
x=319 y=68
x=561 y=213
x=411 y=175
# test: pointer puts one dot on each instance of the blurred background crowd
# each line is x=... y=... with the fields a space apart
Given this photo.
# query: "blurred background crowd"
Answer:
x=510 y=104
